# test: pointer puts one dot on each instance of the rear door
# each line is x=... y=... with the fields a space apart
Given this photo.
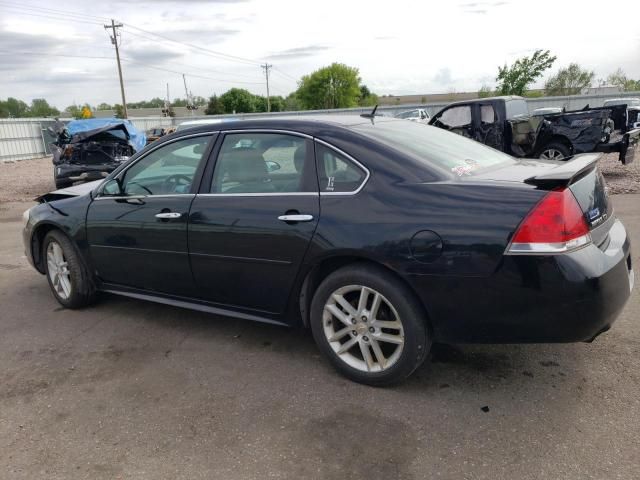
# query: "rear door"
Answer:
x=252 y=221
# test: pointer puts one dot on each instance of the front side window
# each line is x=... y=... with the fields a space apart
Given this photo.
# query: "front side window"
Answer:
x=167 y=170
x=336 y=172
x=264 y=163
x=456 y=117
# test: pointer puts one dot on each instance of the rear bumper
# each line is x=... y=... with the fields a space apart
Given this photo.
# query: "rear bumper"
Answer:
x=627 y=147
x=560 y=298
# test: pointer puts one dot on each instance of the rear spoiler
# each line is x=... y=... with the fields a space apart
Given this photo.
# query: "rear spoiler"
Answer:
x=565 y=173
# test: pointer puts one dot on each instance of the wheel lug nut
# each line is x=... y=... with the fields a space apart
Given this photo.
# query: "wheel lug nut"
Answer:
x=364 y=318
x=371 y=329
x=365 y=338
x=353 y=320
x=354 y=333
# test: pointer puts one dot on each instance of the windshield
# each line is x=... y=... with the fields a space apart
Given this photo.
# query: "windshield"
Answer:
x=435 y=147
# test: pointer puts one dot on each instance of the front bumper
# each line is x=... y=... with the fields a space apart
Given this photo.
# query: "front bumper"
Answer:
x=75 y=172
x=569 y=297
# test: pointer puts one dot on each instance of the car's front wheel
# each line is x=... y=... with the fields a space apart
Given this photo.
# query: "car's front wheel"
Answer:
x=369 y=325
x=68 y=278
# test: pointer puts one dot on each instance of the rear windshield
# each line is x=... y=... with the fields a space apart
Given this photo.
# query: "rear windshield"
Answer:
x=435 y=147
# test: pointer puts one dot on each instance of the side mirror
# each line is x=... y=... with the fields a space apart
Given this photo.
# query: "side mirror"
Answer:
x=112 y=188
x=272 y=166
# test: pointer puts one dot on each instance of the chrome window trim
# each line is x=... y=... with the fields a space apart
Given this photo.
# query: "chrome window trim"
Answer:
x=265 y=194
x=142 y=197
x=124 y=170
x=269 y=130
x=350 y=158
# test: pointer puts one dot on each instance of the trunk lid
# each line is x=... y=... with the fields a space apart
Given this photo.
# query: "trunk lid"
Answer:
x=580 y=175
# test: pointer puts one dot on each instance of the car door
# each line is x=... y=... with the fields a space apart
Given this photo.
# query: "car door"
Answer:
x=488 y=129
x=251 y=223
x=137 y=226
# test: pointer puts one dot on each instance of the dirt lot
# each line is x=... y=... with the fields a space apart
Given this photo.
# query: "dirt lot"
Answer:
x=21 y=181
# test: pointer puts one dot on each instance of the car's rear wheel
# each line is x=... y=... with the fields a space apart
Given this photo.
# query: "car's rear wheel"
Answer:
x=555 y=151
x=369 y=325
x=68 y=278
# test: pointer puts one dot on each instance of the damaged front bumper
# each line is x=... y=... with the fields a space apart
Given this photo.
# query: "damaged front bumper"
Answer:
x=85 y=173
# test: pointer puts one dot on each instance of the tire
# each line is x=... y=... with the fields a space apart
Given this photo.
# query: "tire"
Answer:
x=404 y=317
x=62 y=261
x=555 y=151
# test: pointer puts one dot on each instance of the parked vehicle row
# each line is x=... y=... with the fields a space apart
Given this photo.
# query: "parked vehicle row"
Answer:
x=380 y=235
x=505 y=124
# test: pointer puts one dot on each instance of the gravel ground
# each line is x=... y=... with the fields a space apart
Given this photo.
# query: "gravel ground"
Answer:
x=24 y=180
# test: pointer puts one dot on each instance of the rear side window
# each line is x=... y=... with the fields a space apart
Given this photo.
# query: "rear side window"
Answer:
x=336 y=172
x=516 y=108
x=487 y=115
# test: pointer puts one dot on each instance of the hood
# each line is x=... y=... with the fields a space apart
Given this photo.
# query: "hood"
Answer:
x=68 y=192
x=80 y=130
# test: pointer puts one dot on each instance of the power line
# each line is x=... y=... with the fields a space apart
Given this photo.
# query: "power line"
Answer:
x=59 y=19
x=51 y=10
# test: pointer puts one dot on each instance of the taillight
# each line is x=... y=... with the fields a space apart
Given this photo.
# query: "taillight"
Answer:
x=555 y=225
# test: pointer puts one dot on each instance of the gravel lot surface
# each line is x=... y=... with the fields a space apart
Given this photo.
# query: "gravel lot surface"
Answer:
x=22 y=181
x=133 y=390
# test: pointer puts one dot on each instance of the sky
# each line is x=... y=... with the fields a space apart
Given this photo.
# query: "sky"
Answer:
x=400 y=47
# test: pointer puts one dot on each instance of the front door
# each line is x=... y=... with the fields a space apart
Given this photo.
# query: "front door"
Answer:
x=250 y=227
x=137 y=227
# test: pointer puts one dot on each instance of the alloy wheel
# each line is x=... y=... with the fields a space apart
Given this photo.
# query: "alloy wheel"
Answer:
x=363 y=328
x=551 y=154
x=58 y=270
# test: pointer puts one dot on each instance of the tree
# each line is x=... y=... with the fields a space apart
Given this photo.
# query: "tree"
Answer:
x=335 y=86
x=238 y=100
x=277 y=103
x=214 y=107
x=41 y=108
x=485 y=91
x=620 y=79
x=119 y=110
x=291 y=103
x=74 y=110
x=104 y=106
x=515 y=79
x=569 y=81
x=367 y=98
x=15 y=108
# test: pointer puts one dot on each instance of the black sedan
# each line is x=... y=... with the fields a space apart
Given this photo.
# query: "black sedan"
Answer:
x=382 y=236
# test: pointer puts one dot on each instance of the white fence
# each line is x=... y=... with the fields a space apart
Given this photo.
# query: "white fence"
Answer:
x=24 y=138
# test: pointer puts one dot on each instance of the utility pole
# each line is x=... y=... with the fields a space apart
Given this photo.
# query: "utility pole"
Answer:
x=114 y=41
x=267 y=67
x=190 y=106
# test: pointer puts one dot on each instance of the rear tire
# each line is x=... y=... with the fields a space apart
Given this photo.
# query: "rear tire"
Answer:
x=67 y=275
x=369 y=325
x=555 y=151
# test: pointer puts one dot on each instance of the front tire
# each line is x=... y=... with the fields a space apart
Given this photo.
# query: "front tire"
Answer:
x=68 y=277
x=369 y=325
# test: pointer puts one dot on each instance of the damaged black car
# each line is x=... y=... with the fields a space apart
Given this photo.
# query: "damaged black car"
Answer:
x=87 y=150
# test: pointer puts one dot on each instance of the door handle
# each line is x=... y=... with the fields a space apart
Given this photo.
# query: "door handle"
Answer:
x=296 y=218
x=168 y=215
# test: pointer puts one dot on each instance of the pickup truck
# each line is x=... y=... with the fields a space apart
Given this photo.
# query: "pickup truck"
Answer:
x=505 y=124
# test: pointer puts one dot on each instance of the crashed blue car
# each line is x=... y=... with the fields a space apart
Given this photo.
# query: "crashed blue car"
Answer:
x=87 y=150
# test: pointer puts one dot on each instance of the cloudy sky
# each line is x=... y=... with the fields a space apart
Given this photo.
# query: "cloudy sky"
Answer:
x=60 y=50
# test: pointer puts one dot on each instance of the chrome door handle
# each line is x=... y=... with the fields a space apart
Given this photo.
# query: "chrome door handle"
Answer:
x=167 y=215
x=295 y=218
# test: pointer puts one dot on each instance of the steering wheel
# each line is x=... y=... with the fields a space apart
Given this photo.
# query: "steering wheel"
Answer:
x=174 y=181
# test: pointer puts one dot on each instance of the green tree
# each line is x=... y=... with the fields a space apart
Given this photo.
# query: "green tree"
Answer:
x=277 y=103
x=238 y=100
x=620 y=79
x=214 y=107
x=16 y=108
x=41 y=108
x=335 y=86
x=515 y=79
x=367 y=98
x=569 y=81
x=291 y=103
x=485 y=91
x=118 y=110
x=104 y=106
x=74 y=111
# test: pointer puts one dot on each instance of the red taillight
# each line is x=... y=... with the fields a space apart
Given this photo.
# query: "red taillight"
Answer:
x=555 y=224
